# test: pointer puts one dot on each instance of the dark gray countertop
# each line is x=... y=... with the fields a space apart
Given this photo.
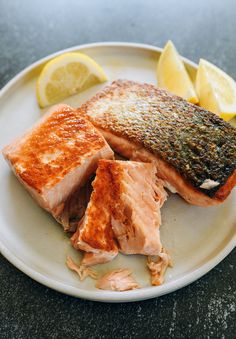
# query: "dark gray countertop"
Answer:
x=30 y=30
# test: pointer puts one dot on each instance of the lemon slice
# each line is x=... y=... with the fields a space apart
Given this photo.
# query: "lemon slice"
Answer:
x=172 y=75
x=65 y=75
x=216 y=90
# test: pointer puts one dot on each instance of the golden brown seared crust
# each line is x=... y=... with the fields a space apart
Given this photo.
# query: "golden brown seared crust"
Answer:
x=197 y=143
x=98 y=231
x=65 y=137
x=116 y=176
x=119 y=210
x=109 y=190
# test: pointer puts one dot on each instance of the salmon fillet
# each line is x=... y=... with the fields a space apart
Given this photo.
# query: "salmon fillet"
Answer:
x=125 y=205
x=193 y=149
x=57 y=156
x=94 y=233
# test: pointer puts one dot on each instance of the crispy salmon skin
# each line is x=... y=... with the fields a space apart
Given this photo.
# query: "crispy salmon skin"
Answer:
x=196 y=149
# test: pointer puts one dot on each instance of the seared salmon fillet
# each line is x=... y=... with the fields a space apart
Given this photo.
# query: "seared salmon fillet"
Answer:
x=57 y=156
x=94 y=233
x=124 y=206
x=193 y=149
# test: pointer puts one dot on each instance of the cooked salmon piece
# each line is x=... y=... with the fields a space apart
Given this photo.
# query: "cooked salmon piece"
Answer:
x=94 y=233
x=124 y=206
x=82 y=270
x=118 y=280
x=137 y=197
x=92 y=258
x=158 y=265
x=193 y=149
x=57 y=156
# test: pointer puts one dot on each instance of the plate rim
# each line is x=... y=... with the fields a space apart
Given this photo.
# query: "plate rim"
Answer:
x=79 y=47
x=109 y=296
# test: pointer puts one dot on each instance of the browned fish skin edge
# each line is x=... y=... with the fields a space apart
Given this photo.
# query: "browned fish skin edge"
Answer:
x=197 y=143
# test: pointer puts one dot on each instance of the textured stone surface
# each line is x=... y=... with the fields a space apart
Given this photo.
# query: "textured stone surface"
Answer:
x=30 y=30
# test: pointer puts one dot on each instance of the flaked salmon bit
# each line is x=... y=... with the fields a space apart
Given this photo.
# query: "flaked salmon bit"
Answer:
x=91 y=259
x=56 y=157
x=82 y=270
x=158 y=265
x=188 y=144
x=124 y=208
x=118 y=280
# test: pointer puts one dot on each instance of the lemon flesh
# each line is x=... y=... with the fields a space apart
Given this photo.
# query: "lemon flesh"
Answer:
x=172 y=75
x=65 y=75
x=216 y=90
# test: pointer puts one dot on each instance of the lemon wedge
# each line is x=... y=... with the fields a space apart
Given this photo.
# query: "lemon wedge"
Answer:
x=172 y=75
x=216 y=90
x=65 y=75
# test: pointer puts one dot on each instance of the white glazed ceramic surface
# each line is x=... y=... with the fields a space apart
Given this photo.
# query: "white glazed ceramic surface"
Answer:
x=197 y=238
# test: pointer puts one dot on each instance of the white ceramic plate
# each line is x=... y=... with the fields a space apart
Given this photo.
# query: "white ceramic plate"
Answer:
x=197 y=238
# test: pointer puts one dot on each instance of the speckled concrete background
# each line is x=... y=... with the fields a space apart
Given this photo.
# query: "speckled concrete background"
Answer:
x=30 y=30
